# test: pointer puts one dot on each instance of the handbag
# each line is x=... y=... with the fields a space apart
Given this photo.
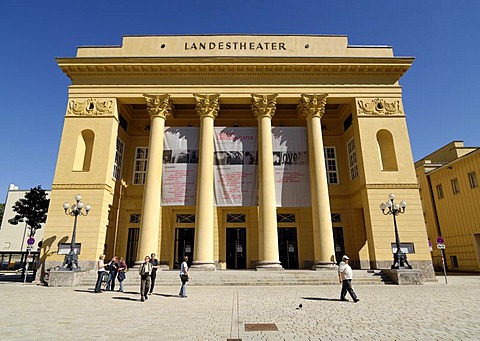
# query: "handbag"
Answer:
x=121 y=276
x=184 y=278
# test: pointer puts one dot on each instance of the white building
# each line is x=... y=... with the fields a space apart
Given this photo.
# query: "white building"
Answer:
x=13 y=238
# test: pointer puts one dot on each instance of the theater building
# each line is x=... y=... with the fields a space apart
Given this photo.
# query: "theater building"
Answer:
x=240 y=151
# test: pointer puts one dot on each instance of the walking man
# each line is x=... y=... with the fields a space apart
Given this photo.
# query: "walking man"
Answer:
x=155 y=266
x=145 y=272
x=345 y=275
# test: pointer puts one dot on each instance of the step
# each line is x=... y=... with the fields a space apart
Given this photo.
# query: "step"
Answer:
x=247 y=277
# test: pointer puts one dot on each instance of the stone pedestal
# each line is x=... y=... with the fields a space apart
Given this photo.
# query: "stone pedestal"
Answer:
x=404 y=276
x=65 y=278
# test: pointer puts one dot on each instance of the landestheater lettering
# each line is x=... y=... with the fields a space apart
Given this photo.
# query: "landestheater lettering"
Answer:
x=235 y=45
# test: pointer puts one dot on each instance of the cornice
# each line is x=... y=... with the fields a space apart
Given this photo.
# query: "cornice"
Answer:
x=216 y=67
x=83 y=186
x=393 y=186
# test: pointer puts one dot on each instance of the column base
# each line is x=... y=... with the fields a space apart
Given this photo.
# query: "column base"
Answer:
x=269 y=266
x=322 y=265
x=203 y=266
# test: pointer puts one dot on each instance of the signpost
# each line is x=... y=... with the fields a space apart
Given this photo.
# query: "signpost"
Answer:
x=441 y=247
x=30 y=242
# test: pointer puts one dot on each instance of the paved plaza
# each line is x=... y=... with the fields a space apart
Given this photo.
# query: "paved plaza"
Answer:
x=433 y=311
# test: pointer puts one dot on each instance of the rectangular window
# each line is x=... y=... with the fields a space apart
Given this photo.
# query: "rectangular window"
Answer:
x=455 y=186
x=186 y=218
x=352 y=159
x=135 y=218
x=440 y=191
x=140 y=170
x=331 y=164
x=117 y=163
x=336 y=218
x=236 y=218
x=454 y=262
x=285 y=217
x=472 y=178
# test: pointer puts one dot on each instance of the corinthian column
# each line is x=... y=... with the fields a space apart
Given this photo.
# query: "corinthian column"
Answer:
x=207 y=107
x=263 y=107
x=312 y=107
x=159 y=107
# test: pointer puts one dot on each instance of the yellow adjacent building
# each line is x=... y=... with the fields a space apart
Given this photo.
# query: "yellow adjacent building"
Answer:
x=240 y=151
x=450 y=196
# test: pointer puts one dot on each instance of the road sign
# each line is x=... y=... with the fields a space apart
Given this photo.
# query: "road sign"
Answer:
x=441 y=246
x=31 y=241
x=440 y=240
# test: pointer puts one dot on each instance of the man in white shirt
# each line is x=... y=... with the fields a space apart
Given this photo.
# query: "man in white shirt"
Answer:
x=345 y=275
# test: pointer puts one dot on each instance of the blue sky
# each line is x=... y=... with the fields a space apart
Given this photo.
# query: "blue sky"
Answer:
x=439 y=91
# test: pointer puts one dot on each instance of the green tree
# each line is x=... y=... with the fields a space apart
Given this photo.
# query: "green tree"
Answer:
x=32 y=209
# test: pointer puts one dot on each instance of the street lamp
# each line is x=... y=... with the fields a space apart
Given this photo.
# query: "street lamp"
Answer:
x=391 y=207
x=71 y=258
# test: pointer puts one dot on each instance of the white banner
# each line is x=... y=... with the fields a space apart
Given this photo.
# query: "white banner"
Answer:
x=235 y=168
x=180 y=166
x=290 y=161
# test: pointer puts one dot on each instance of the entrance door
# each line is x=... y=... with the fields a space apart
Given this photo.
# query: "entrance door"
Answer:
x=184 y=242
x=338 y=241
x=132 y=246
x=236 y=248
x=287 y=247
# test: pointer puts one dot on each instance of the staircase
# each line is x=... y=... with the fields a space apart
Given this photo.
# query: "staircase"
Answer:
x=247 y=277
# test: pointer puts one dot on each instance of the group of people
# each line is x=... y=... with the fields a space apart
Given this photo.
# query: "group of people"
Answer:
x=148 y=274
x=147 y=271
x=117 y=269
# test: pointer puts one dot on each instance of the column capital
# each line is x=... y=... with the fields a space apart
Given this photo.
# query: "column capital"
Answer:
x=264 y=105
x=312 y=105
x=159 y=105
x=207 y=105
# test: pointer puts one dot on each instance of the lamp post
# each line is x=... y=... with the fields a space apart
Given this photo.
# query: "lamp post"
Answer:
x=391 y=207
x=71 y=258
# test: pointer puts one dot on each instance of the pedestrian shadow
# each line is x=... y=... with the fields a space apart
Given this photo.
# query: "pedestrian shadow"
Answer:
x=165 y=295
x=125 y=298
x=87 y=291
x=322 y=299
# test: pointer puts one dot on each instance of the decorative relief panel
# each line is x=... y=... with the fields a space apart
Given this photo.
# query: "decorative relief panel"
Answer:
x=91 y=107
x=379 y=106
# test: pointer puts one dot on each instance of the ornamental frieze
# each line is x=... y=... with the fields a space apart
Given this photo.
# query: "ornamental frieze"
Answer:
x=379 y=106
x=90 y=107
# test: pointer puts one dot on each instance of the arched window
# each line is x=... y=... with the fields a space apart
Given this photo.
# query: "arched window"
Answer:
x=386 y=149
x=84 y=150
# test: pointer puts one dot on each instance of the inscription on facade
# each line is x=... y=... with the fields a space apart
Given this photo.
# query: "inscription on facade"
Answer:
x=235 y=45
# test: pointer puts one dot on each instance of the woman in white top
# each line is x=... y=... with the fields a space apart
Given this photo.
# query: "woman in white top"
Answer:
x=101 y=271
x=184 y=277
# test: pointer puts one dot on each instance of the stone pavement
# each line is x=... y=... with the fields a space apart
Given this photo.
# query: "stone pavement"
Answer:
x=433 y=311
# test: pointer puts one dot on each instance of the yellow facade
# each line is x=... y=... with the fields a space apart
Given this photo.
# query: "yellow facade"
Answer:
x=450 y=195
x=347 y=99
